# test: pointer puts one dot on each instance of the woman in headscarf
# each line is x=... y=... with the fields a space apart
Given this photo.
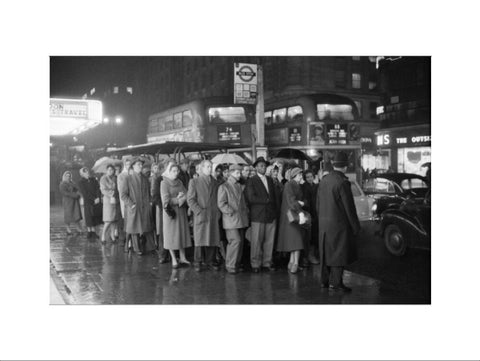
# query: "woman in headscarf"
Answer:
x=90 y=190
x=111 y=203
x=176 y=233
x=290 y=235
x=71 y=204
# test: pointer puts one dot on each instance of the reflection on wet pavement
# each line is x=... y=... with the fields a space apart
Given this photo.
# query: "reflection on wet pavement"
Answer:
x=104 y=274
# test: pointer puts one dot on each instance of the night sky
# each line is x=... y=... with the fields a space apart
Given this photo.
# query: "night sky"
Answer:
x=75 y=75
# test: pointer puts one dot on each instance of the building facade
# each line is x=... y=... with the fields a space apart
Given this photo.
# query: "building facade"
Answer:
x=403 y=141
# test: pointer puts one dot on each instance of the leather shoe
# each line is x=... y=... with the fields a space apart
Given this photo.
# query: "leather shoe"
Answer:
x=256 y=270
x=341 y=288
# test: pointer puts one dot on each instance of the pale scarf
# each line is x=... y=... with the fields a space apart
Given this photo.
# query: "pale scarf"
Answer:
x=168 y=171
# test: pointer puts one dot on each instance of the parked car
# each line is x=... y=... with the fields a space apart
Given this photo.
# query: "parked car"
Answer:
x=363 y=203
x=389 y=190
x=407 y=226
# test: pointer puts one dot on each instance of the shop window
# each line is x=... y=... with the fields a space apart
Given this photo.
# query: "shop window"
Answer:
x=177 y=120
x=334 y=112
x=227 y=115
x=279 y=115
x=268 y=118
x=187 y=118
x=295 y=113
x=356 y=81
x=413 y=159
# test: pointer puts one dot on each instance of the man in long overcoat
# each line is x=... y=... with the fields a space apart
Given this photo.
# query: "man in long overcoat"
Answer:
x=135 y=193
x=202 y=200
x=231 y=202
x=338 y=224
x=262 y=200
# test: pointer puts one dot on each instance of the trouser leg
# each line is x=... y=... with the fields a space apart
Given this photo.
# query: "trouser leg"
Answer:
x=233 y=248
x=198 y=255
x=267 y=249
x=336 y=274
x=241 y=233
x=256 y=244
x=210 y=253
x=136 y=244
x=149 y=241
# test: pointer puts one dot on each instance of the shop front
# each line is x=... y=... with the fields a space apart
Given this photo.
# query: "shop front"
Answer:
x=407 y=149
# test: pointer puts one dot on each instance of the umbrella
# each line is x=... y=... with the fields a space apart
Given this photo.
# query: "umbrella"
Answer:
x=228 y=158
x=290 y=153
x=100 y=165
x=428 y=164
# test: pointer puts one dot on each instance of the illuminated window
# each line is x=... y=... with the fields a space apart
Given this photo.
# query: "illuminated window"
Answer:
x=92 y=91
x=169 y=123
x=187 y=118
x=334 y=112
x=115 y=90
x=356 y=81
x=177 y=120
x=279 y=115
x=358 y=103
x=129 y=89
x=372 y=59
x=372 y=85
x=268 y=118
x=295 y=113
x=227 y=115
x=84 y=96
x=356 y=58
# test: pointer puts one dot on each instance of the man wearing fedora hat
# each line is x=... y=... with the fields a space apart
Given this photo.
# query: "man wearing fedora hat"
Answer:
x=262 y=199
x=338 y=224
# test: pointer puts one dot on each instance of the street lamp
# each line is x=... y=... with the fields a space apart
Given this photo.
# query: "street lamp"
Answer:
x=118 y=120
x=106 y=120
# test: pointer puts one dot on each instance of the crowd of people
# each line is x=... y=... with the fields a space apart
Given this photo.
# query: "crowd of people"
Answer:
x=256 y=217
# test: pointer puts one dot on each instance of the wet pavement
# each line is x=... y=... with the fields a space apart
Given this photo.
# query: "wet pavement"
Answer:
x=92 y=273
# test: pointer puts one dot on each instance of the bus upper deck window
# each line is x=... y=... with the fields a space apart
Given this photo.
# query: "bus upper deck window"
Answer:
x=169 y=123
x=161 y=124
x=187 y=118
x=227 y=115
x=335 y=112
x=177 y=120
x=279 y=115
x=295 y=113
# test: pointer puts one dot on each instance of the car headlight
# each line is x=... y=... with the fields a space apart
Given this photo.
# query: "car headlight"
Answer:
x=374 y=207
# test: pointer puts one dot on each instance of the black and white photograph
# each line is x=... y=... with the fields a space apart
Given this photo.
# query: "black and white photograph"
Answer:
x=166 y=187
x=239 y=180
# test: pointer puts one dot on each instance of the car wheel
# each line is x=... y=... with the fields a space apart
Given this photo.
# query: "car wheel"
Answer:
x=395 y=241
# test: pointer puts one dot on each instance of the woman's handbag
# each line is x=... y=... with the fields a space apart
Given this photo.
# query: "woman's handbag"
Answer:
x=170 y=211
x=293 y=217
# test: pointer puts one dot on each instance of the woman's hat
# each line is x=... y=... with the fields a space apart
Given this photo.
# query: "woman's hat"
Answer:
x=340 y=160
x=260 y=160
x=294 y=172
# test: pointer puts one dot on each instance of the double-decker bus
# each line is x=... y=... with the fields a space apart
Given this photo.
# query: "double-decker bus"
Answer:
x=318 y=124
x=208 y=120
